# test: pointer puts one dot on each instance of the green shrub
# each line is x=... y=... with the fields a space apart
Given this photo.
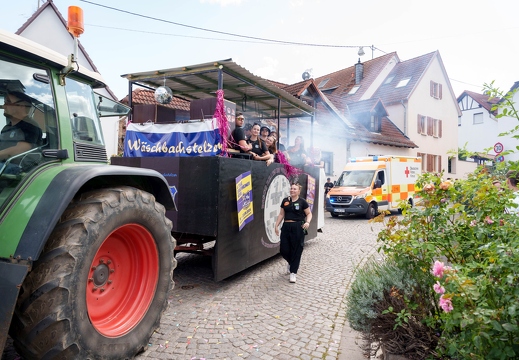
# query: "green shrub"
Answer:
x=463 y=225
x=386 y=305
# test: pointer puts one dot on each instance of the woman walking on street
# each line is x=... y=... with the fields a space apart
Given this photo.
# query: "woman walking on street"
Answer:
x=296 y=216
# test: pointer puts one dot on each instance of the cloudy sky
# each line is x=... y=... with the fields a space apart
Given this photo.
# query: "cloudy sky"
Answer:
x=477 y=39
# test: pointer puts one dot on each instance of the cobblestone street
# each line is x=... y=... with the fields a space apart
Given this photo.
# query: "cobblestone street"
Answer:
x=258 y=314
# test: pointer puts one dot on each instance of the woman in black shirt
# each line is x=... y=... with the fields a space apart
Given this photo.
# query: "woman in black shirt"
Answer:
x=259 y=149
x=297 y=216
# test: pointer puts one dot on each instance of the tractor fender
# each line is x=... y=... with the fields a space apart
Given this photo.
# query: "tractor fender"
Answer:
x=11 y=279
x=74 y=180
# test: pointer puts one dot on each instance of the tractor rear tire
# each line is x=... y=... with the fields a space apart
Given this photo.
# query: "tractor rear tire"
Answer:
x=101 y=284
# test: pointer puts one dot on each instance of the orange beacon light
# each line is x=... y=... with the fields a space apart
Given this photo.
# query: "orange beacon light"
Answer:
x=75 y=21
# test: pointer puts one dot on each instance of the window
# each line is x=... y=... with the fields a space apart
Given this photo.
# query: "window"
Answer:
x=83 y=113
x=437 y=128
x=428 y=126
x=381 y=176
x=322 y=83
x=478 y=118
x=421 y=125
x=403 y=82
x=354 y=89
x=423 y=156
x=452 y=165
x=27 y=99
x=436 y=90
x=389 y=79
x=375 y=123
x=431 y=162
x=327 y=158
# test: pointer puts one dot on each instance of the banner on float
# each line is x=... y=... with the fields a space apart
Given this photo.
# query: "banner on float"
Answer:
x=244 y=199
x=310 y=192
x=182 y=139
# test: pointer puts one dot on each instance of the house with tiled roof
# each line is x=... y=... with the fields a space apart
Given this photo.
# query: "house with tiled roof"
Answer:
x=412 y=101
x=339 y=126
x=49 y=28
x=479 y=128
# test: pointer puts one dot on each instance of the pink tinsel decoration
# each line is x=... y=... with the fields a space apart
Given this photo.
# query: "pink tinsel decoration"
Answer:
x=291 y=170
x=223 y=126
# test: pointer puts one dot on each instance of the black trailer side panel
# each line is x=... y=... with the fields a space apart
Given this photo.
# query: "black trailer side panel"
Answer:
x=197 y=194
x=237 y=250
x=205 y=190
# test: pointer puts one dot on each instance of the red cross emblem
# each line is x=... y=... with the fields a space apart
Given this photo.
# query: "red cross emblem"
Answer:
x=406 y=172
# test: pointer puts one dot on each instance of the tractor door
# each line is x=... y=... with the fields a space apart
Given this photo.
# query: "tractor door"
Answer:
x=27 y=122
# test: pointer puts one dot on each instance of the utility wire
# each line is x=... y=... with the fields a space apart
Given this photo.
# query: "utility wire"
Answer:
x=186 y=36
x=225 y=33
x=209 y=38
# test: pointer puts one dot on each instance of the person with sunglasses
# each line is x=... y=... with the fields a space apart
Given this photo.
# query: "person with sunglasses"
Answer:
x=20 y=134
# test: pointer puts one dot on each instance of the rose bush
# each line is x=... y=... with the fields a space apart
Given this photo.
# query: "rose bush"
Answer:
x=461 y=243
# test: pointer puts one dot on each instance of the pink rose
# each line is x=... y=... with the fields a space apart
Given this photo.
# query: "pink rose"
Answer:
x=488 y=220
x=446 y=304
x=438 y=288
x=473 y=223
x=438 y=269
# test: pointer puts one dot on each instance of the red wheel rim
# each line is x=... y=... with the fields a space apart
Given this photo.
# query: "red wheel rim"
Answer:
x=122 y=280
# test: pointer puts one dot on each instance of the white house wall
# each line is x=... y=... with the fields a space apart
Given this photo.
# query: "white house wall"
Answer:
x=506 y=124
x=48 y=30
x=445 y=109
x=477 y=137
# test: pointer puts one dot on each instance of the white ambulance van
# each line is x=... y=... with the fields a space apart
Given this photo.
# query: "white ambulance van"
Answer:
x=374 y=183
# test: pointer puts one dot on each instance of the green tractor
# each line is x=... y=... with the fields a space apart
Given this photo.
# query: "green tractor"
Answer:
x=86 y=252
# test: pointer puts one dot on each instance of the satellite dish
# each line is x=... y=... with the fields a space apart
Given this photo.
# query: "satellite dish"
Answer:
x=306 y=75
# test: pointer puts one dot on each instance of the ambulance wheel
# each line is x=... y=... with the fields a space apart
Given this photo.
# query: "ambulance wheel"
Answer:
x=372 y=211
x=334 y=215
x=100 y=286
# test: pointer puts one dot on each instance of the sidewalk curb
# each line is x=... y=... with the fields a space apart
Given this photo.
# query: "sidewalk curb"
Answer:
x=349 y=348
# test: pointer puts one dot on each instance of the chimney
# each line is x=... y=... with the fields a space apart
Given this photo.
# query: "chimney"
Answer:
x=359 y=72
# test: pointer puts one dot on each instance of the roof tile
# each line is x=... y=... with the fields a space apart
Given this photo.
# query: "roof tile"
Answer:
x=144 y=96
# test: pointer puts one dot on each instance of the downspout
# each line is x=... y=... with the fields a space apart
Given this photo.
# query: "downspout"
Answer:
x=130 y=100
x=405 y=117
x=348 y=150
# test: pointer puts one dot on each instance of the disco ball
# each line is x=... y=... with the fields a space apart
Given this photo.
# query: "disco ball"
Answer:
x=163 y=95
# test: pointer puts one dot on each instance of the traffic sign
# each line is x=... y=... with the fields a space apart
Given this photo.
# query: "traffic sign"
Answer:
x=500 y=158
x=498 y=148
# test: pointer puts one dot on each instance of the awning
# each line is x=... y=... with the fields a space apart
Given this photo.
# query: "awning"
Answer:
x=249 y=92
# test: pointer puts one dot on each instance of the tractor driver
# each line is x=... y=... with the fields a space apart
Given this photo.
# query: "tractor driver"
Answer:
x=20 y=134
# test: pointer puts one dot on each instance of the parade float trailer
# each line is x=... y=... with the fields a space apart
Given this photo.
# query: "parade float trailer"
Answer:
x=226 y=206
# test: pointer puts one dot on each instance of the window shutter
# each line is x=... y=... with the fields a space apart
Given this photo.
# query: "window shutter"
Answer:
x=439 y=128
x=439 y=163
x=432 y=88
x=440 y=91
x=430 y=163
x=419 y=124
x=429 y=126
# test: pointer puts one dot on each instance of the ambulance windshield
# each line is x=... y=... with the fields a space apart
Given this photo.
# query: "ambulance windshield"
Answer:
x=357 y=178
